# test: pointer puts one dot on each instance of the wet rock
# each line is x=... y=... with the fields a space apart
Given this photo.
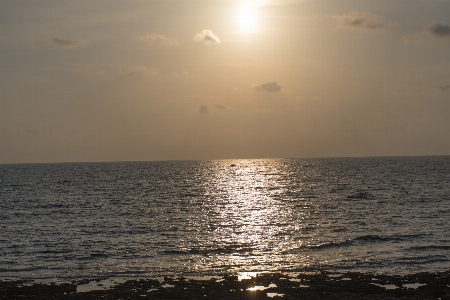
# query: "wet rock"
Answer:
x=322 y=285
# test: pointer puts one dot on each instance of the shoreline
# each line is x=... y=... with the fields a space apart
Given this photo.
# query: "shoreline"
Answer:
x=323 y=285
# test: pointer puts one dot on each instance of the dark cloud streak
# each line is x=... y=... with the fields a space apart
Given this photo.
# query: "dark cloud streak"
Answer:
x=67 y=43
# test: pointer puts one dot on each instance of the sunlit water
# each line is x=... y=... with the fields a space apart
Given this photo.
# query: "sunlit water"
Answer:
x=149 y=219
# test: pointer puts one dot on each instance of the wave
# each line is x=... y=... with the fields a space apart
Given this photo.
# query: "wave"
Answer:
x=361 y=196
x=361 y=239
x=365 y=239
x=430 y=247
x=20 y=269
x=424 y=259
x=376 y=238
x=206 y=251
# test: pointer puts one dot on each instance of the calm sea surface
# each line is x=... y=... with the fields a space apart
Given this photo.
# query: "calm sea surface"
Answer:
x=148 y=219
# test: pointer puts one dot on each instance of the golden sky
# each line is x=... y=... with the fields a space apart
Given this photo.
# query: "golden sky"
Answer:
x=185 y=79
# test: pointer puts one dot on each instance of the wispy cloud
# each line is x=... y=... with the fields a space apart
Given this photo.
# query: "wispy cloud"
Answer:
x=281 y=2
x=366 y=21
x=68 y=43
x=94 y=70
x=156 y=40
x=207 y=37
x=137 y=71
x=268 y=87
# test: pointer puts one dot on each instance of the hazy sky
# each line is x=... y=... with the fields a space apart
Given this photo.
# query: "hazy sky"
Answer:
x=184 y=79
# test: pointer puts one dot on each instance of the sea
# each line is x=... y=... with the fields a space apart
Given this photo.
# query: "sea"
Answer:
x=67 y=221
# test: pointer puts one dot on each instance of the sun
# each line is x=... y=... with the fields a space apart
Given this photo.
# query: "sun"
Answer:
x=247 y=17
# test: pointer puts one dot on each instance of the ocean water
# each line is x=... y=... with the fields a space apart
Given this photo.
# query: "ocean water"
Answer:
x=195 y=218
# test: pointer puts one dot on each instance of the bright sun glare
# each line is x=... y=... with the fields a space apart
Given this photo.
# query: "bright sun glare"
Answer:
x=247 y=17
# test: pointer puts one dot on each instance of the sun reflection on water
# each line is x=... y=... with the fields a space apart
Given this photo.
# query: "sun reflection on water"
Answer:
x=250 y=216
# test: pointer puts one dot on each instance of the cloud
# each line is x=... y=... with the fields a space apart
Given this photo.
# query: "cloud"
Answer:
x=137 y=70
x=444 y=87
x=203 y=109
x=96 y=70
x=207 y=37
x=156 y=40
x=206 y=110
x=362 y=21
x=437 y=30
x=268 y=87
x=62 y=42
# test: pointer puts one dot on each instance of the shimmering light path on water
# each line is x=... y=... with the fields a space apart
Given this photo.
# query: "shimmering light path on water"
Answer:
x=193 y=218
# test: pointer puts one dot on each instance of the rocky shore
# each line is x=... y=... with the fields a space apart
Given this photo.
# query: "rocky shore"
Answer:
x=322 y=285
